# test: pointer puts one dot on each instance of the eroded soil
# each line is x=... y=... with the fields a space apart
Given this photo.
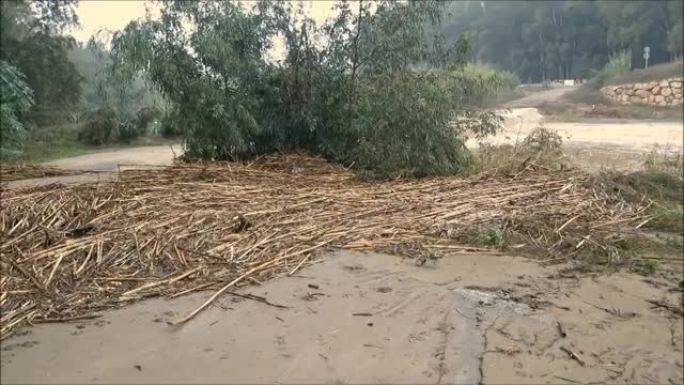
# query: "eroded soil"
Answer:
x=366 y=318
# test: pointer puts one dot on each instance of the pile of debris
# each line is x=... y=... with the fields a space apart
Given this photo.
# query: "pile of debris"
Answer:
x=70 y=251
x=10 y=172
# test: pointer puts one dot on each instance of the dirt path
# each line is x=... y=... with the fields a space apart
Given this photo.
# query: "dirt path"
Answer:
x=103 y=166
x=366 y=318
x=612 y=144
x=634 y=135
x=536 y=98
x=110 y=160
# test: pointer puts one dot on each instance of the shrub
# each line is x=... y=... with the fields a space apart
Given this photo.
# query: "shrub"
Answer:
x=106 y=125
x=617 y=65
x=668 y=219
x=473 y=83
x=143 y=118
x=540 y=147
x=356 y=100
x=99 y=127
x=127 y=131
x=403 y=124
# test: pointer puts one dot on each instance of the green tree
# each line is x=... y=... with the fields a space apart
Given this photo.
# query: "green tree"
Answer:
x=15 y=99
x=33 y=40
x=543 y=40
x=356 y=98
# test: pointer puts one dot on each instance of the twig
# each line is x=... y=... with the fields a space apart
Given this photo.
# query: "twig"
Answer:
x=258 y=299
x=572 y=355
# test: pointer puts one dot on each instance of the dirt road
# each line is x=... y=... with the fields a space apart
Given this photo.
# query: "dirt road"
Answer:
x=103 y=166
x=110 y=160
x=535 y=99
x=634 y=135
x=367 y=318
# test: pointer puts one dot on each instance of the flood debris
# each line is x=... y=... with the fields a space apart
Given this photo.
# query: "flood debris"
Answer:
x=73 y=251
x=573 y=355
x=11 y=172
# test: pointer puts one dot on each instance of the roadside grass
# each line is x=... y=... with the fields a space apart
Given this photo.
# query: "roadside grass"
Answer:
x=662 y=182
x=39 y=152
x=659 y=183
x=503 y=97
x=657 y=72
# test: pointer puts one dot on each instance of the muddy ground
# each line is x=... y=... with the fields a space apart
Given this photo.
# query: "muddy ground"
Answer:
x=372 y=318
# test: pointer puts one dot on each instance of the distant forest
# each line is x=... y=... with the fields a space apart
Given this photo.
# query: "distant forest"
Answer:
x=546 y=40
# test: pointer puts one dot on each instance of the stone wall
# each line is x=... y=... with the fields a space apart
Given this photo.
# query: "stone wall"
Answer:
x=663 y=93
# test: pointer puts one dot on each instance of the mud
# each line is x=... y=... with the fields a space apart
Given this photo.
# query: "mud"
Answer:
x=366 y=318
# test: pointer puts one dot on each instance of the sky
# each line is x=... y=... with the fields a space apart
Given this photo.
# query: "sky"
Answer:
x=112 y=15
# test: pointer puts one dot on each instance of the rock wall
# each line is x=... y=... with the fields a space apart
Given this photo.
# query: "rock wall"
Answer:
x=663 y=93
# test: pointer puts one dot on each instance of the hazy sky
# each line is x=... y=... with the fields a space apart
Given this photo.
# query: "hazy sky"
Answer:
x=113 y=15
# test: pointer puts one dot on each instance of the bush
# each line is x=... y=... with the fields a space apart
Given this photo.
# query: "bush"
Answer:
x=144 y=117
x=541 y=147
x=99 y=127
x=106 y=125
x=403 y=124
x=127 y=131
x=169 y=128
x=617 y=65
x=356 y=100
x=472 y=84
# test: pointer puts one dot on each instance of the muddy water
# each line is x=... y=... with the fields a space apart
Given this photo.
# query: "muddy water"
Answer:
x=362 y=318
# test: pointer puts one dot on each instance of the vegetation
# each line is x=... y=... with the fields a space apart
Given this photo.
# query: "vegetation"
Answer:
x=541 y=148
x=652 y=73
x=50 y=83
x=586 y=101
x=15 y=99
x=545 y=40
x=343 y=99
x=33 y=40
x=617 y=65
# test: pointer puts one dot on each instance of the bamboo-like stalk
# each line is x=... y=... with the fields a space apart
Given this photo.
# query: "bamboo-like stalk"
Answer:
x=69 y=251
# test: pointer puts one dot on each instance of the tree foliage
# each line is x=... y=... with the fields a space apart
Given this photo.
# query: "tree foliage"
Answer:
x=349 y=89
x=542 y=40
x=15 y=99
x=33 y=40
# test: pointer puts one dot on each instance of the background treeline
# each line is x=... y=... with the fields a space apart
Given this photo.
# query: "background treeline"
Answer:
x=546 y=40
x=54 y=88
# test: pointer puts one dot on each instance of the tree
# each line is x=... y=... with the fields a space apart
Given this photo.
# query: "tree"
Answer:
x=542 y=40
x=15 y=99
x=356 y=98
x=33 y=41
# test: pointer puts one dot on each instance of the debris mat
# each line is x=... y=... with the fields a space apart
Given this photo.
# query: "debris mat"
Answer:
x=69 y=252
x=9 y=172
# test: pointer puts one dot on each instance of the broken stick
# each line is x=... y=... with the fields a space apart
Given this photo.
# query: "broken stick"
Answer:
x=572 y=355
